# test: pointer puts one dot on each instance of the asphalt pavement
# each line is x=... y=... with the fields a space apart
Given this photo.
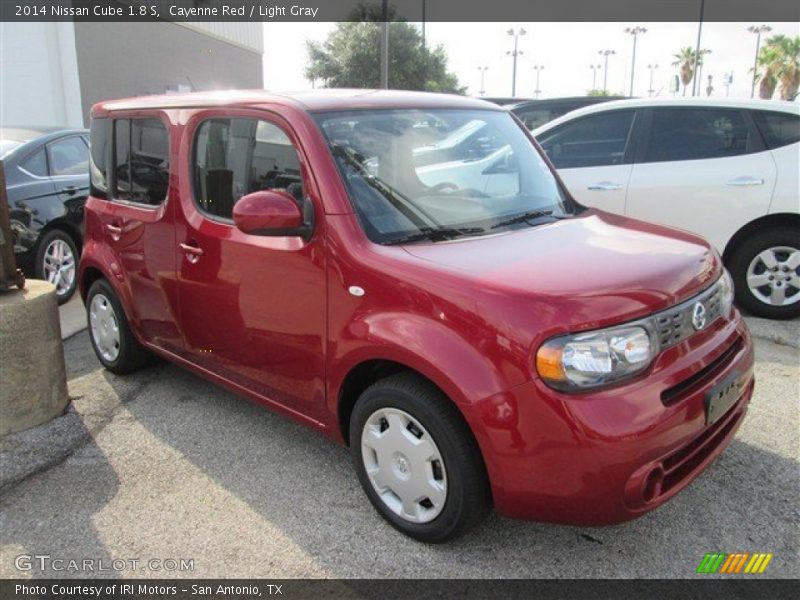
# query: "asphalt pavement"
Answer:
x=163 y=465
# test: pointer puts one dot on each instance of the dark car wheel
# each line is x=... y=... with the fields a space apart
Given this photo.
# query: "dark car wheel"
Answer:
x=417 y=460
x=112 y=339
x=766 y=273
x=57 y=262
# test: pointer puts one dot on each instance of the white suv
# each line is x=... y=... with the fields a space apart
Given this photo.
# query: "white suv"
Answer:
x=727 y=170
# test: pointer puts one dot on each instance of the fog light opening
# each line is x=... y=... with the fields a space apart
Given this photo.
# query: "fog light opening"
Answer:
x=652 y=484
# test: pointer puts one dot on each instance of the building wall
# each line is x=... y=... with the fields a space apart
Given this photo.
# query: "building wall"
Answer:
x=118 y=60
x=39 y=75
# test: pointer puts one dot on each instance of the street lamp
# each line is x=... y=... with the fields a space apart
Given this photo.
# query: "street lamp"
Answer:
x=538 y=69
x=483 y=70
x=758 y=31
x=634 y=31
x=514 y=53
x=652 y=68
x=605 y=54
x=594 y=75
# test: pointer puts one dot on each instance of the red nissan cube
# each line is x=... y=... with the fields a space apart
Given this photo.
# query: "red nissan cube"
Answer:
x=406 y=273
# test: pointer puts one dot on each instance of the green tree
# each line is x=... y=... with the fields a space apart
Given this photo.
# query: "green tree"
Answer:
x=685 y=61
x=350 y=57
x=779 y=62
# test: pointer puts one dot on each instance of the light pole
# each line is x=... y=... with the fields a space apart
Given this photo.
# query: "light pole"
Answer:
x=594 y=75
x=695 y=83
x=758 y=31
x=605 y=54
x=538 y=69
x=652 y=68
x=385 y=47
x=483 y=70
x=634 y=31
x=514 y=53
x=699 y=68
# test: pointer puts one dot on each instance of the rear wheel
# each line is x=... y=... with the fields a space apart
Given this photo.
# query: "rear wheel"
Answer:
x=57 y=262
x=417 y=460
x=112 y=338
x=766 y=273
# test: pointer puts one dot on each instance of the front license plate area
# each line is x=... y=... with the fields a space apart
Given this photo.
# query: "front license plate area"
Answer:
x=722 y=397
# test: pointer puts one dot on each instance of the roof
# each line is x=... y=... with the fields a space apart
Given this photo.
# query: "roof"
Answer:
x=566 y=100
x=316 y=100
x=24 y=133
x=774 y=105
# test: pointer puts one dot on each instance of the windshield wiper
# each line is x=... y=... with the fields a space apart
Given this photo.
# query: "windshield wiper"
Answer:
x=527 y=216
x=435 y=234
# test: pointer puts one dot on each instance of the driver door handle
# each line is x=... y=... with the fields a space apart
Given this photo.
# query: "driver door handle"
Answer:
x=114 y=231
x=605 y=186
x=193 y=253
x=744 y=181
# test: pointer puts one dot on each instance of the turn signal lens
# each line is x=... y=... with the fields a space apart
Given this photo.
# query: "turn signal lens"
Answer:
x=548 y=363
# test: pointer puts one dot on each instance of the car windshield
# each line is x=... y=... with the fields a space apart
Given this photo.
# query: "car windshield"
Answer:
x=434 y=175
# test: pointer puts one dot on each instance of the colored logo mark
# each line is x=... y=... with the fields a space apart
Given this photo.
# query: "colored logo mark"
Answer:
x=741 y=562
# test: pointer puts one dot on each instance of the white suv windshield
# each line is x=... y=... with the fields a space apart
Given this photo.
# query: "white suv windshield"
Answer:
x=440 y=174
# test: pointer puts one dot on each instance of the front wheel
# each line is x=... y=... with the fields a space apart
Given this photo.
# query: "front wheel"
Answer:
x=766 y=273
x=417 y=460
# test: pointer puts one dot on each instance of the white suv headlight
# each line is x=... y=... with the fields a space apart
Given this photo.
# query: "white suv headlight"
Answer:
x=588 y=360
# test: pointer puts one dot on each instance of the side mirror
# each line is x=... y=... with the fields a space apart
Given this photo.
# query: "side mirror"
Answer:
x=273 y=213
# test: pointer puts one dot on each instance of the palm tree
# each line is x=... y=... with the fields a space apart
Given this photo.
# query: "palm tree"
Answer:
x=779 y=62
x=685 y=60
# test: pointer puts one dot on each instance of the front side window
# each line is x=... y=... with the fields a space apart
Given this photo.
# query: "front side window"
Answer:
x=238 y=156
x=68 y=156
x=141 y=160
x=778 y=128
x=695 y=134
x=594 y=141
x=439 y=173
x=98 y=175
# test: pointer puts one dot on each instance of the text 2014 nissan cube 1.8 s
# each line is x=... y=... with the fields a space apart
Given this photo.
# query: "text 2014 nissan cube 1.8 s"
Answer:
x=405 y=273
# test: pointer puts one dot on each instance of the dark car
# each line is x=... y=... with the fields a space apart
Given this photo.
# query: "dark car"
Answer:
x=504 y=100
x=47 y=177
x=535 y=113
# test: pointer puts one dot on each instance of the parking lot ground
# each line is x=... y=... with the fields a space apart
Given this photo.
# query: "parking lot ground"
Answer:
x=165 y=465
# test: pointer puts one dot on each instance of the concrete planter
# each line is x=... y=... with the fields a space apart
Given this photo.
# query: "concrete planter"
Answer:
x=33 y=383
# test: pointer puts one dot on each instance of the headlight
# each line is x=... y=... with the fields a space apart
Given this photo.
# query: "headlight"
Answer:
x=726 y=294
x=588 y=360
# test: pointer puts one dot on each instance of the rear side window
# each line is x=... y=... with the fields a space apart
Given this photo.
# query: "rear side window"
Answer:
x=234 y=157
x=141 y=160
x=68 y=156
x=35 y=164
x=778 y=128
x=695 y=134
x=593 y=141
x=98 y=174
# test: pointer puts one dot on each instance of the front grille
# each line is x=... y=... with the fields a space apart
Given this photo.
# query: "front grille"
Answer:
x=675 y=393
x=675 y=324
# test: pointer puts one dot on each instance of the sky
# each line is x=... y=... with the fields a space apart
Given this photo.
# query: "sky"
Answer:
x=566 y=50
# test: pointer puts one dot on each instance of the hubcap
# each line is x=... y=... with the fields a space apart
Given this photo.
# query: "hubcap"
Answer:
x=105 y=329
x=774 y=276
x=59 y=266
x=404 y=465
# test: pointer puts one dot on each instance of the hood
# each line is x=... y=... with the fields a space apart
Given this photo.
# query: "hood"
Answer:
x=590 y=270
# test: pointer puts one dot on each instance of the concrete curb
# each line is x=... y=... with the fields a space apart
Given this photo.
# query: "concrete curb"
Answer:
x=784 y=333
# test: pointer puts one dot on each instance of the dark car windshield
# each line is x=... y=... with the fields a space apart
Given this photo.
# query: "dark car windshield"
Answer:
x=439 y=174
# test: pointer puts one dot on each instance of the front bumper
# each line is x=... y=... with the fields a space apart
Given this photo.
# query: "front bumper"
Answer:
x=608 y=456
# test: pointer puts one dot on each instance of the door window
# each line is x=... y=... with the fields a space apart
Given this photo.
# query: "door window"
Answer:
x=35 y=164
x=778 y=128
x=141 y=160
x=69 y=156
x=592 y=141
x=694 y=134
x=235 y=157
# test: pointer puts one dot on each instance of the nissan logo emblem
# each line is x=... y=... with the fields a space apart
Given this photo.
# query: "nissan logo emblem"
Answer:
x=699 y=316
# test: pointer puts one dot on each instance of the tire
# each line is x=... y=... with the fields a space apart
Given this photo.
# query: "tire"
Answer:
x=748 y=266
x=459 y=490
x=123 y=355
x=57 y=262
